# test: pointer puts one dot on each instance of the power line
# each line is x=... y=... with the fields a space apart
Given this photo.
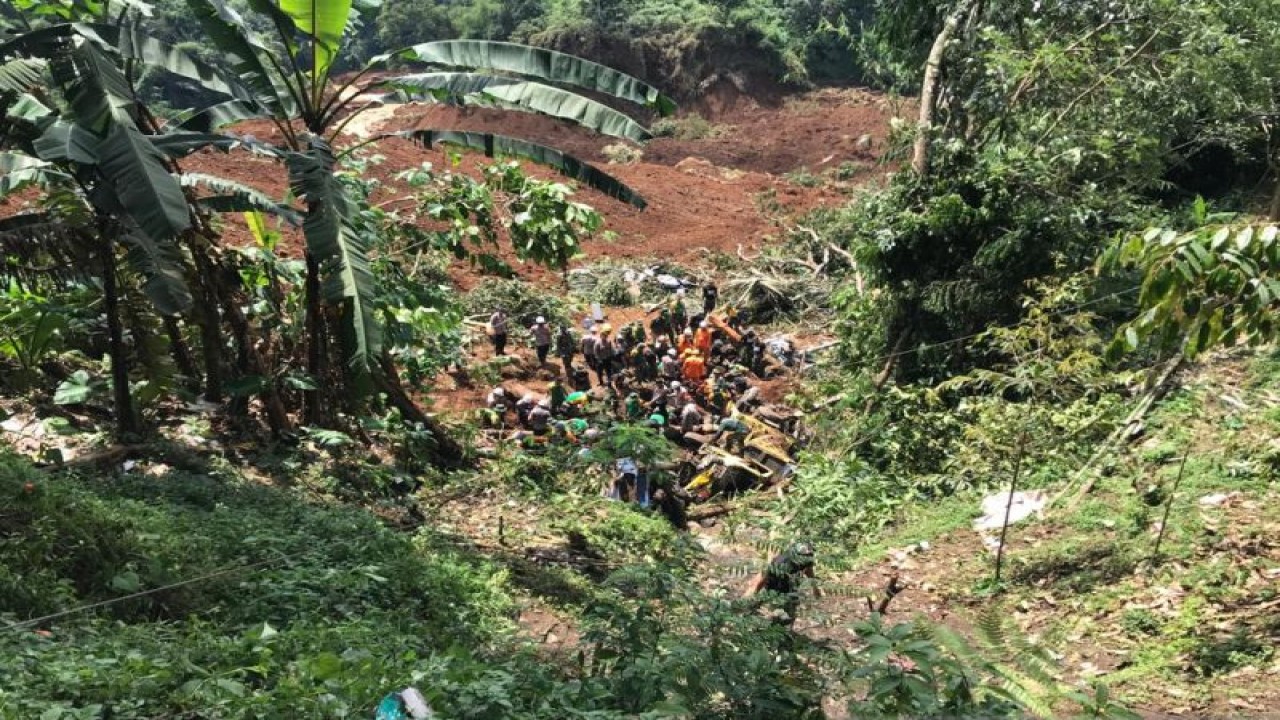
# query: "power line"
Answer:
x=471 y=545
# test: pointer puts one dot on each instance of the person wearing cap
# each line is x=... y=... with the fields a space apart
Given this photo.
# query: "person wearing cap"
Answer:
x=647 y=364
x=496 y=407
x=782 y=578
x=589 y=342
x=498 y=332
x=679 y=313
x=690 y=417
x=671 y=366
x=540 y=417
x=685 y=343
x=523 y=407
x=541 y=333
x=702 y=338
x=566 y=346
x=605 y=353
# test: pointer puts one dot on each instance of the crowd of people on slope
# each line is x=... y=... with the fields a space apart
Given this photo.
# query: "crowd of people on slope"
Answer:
x=688 y=374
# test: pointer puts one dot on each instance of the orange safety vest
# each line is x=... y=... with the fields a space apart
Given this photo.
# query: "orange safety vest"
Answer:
x=695 y=369
x=702 y=340
x=684 y=344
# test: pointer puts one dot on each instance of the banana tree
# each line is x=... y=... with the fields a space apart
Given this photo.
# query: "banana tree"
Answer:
x=286 y=78
x=71 y=122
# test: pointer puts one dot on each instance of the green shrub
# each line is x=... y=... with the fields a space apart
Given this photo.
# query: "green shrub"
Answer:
x=521 y=301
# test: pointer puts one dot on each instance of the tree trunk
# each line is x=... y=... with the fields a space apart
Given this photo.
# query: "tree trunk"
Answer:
x=210 y=321
x=1274 y=212
x=122 y=400
x=448 y=452
x=179 y=350
x=929 y=87
x=253 y=364
x=314 y=399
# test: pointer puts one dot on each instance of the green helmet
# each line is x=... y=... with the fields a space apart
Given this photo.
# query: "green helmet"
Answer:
x=801 y=554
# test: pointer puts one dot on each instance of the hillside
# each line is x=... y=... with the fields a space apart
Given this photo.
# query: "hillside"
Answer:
x=796 y=401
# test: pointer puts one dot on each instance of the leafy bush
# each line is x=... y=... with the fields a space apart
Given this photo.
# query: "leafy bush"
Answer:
x=686 y=127
x=521 y=301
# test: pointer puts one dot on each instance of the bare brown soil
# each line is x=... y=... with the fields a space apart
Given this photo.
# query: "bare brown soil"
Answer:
x=715 y=194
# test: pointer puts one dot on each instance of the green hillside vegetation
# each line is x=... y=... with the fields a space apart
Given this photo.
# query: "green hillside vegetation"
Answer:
x=235 y=482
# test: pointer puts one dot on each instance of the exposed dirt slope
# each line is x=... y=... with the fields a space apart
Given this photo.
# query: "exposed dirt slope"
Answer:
x=709 y=194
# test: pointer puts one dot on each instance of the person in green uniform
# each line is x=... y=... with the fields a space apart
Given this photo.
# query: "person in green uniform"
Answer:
x=782 y=578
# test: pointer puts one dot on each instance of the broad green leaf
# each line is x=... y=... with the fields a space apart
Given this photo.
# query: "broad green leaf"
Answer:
x=18 y=171
x=135 y=171
x=347 y=281
x=133 y=43
x=324 y=21
x=247 y=385
x=516 y=94
x=1219 y=238
x=181 y=144
x=20 y=74
x=64 y=141
x=248 y=55
x=1244 y=237
x=75 y=390
x=1268 y=234
x=501 y=146
x=539 y=63
x=237 y=197
x=208 y=119
x=161 y=265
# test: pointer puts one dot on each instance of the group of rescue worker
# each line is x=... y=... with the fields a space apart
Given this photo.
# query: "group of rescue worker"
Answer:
x=688 y=374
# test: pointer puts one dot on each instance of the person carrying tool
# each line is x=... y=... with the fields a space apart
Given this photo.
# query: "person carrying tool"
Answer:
x=498 y=332
x=566 y=346
x=783 y=577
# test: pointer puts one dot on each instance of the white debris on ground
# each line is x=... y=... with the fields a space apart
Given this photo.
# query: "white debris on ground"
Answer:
x=1025 y=504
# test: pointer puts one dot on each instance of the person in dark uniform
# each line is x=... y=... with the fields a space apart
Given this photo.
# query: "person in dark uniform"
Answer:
x=783 y=577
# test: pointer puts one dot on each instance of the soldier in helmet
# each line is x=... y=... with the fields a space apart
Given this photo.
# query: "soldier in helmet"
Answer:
x=783 y=576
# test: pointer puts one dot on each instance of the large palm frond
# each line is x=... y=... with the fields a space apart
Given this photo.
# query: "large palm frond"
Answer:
x=501 y=146
x=463 y=88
